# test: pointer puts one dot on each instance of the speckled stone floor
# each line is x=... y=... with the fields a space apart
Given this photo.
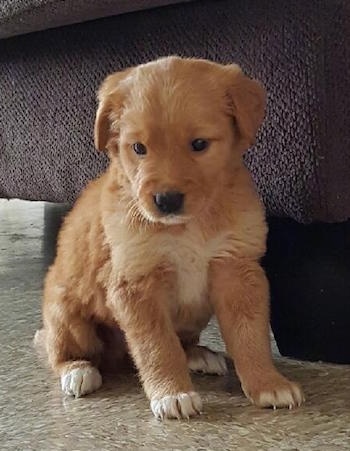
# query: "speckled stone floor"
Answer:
x=35 y=416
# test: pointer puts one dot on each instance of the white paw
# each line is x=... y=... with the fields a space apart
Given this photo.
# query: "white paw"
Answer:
x=203 y=360
x=182 y=405
x=81 y=381
x=275 y=391
x=285 y=397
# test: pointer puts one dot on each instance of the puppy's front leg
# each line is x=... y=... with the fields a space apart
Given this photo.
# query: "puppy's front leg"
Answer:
x=140 y=308
x=240 y=294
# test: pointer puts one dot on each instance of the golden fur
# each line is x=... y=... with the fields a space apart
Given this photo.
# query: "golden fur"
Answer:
x=123 y=266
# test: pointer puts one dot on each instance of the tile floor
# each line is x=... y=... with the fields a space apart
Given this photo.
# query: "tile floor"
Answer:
x=35 y=416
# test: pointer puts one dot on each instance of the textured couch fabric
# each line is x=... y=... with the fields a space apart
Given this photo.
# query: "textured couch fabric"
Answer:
x=299 y=50
x=24 y=16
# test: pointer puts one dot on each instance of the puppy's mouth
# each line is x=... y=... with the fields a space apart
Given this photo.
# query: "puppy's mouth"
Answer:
x=174 y=219
x=169 y=219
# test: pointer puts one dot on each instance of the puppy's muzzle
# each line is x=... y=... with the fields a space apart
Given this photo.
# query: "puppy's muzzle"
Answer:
x=169 y=202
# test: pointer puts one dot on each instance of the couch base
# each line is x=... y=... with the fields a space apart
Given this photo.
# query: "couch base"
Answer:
x=309 y=272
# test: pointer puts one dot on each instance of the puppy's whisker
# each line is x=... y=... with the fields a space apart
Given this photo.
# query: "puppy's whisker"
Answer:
x=132 y=213
x=134 y=216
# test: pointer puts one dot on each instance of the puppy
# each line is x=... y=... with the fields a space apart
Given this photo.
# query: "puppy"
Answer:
x=171 y=234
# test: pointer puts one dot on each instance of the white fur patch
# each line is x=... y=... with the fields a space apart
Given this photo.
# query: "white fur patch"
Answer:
x=203 y=360
x=81 y=381
x=182 y=405
x=191 y=254
x=189 y=257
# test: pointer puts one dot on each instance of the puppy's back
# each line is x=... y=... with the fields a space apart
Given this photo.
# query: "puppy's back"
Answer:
x=80 y=246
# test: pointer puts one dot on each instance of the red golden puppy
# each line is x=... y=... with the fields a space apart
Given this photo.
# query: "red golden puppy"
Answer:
x=171 y=234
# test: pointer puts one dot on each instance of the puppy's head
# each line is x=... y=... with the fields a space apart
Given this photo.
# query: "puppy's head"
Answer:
x=177 y=127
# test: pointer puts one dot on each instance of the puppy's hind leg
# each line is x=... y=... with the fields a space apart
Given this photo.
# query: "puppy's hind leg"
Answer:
x=79 y=378
x=201 y=359
x=73 y=348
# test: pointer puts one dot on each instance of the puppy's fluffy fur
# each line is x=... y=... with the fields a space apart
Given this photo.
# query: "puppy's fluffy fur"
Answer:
x=129 y=278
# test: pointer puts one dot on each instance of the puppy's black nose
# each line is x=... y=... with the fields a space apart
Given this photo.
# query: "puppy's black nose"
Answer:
x=169 y=202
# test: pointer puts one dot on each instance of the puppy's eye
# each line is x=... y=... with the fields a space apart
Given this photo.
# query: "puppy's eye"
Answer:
x=198 y=145
x=139 y=148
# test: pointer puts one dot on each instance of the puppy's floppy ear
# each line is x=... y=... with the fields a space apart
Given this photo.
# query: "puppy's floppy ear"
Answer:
x=247 y=101
x=110 y=99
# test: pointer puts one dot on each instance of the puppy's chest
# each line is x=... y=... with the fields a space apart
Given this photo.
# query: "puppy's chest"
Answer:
x=189 y=258
x=187 y=255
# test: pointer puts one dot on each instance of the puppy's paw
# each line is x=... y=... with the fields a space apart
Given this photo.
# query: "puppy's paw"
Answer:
x=182 y=405
x=202 y=360
x=275 y=391
x=81 y=381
